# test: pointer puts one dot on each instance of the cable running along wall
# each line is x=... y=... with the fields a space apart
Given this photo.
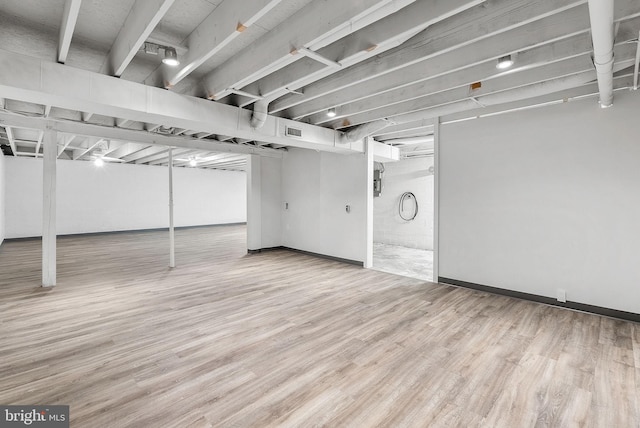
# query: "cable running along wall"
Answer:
x=405 y=196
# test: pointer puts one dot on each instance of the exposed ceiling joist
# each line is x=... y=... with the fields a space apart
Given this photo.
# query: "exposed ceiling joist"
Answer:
x=508 y=96
x=473 y=25
x=12 y=140
x=620 y=83
x=225 y=164
x=421 y=126
x=221 y=27
x=39 y=143
x=143 y=137
x=91 y=144
x=125 y=149
x=365 y=60
x=315 y=25
x=163 y=158
x=142 y=19
x=69 y=19
x=144 y=153
x=66 y=141
x=206 y=160
x=33 y=80
x=575 y=65
x=367 y=42
x=424 y=84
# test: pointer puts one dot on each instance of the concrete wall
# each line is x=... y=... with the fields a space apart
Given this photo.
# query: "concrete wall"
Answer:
x=120 y=197
x=545 y=199
x=317 y=188
x=2 y=197
x=408 y=175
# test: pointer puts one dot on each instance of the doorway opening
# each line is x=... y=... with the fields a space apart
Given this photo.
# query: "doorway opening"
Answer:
x=403 y=214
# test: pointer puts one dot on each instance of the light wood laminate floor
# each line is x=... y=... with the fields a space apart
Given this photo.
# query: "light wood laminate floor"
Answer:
x=285 y=339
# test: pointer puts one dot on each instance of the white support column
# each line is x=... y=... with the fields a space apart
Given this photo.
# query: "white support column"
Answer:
x=436 y=199
x=254 y=203
x=172 y=238
x=49 y=209
x=368 y=261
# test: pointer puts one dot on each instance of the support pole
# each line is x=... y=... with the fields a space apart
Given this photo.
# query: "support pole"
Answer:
x=172 y=238
x=254 y=203
x=436 y=199
x=636 y=70
x=49 y=208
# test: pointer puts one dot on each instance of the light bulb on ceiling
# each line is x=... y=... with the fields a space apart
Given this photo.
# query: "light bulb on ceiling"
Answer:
x=504 y=62
x=170 y=57
x=331 y=112
x=99 y=162
x=193 y=162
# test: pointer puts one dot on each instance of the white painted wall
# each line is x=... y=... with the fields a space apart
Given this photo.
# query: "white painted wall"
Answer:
x=407 y=175
x=2 y=197
x=317 y=187
x=264 y=202
x=543 y=199
x=271 y=179
x=120 y=197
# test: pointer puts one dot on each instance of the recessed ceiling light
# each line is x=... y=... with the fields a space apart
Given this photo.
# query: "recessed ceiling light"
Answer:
x=504 y=62
x=99 y=162
x=331 y=112
x=170 y=57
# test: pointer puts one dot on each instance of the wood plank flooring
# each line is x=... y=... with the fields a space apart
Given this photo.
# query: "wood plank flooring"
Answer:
x=285 y=339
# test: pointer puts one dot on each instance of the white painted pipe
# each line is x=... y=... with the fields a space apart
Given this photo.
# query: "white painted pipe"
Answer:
x=511 y=95
x=259 y=116
x=602 y=34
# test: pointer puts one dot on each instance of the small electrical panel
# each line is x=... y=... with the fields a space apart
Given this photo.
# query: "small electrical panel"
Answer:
x=377 y=183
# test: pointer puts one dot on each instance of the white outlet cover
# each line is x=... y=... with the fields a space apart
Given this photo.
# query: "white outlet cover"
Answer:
x=561 y=295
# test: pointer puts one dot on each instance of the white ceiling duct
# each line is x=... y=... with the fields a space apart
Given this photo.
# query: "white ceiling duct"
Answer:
x=359 y=132
x=260 y=112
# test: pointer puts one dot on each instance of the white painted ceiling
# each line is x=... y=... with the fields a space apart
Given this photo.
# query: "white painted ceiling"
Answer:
x=404 y=61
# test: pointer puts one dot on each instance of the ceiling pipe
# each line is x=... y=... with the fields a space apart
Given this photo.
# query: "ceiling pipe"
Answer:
x=365 y=130
x=508 y=96
x=602 y=34
x=260 y=112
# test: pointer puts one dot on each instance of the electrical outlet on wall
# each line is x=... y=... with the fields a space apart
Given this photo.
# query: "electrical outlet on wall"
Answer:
x=561 y=295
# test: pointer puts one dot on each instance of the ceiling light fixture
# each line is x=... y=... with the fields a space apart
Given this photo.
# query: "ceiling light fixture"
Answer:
x=504 y=62
x=331 y=112
x=99 y=162
x=170 y=57
x=193 y=162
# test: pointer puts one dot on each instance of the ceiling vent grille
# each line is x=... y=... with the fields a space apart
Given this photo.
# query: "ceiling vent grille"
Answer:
x=293 y=132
